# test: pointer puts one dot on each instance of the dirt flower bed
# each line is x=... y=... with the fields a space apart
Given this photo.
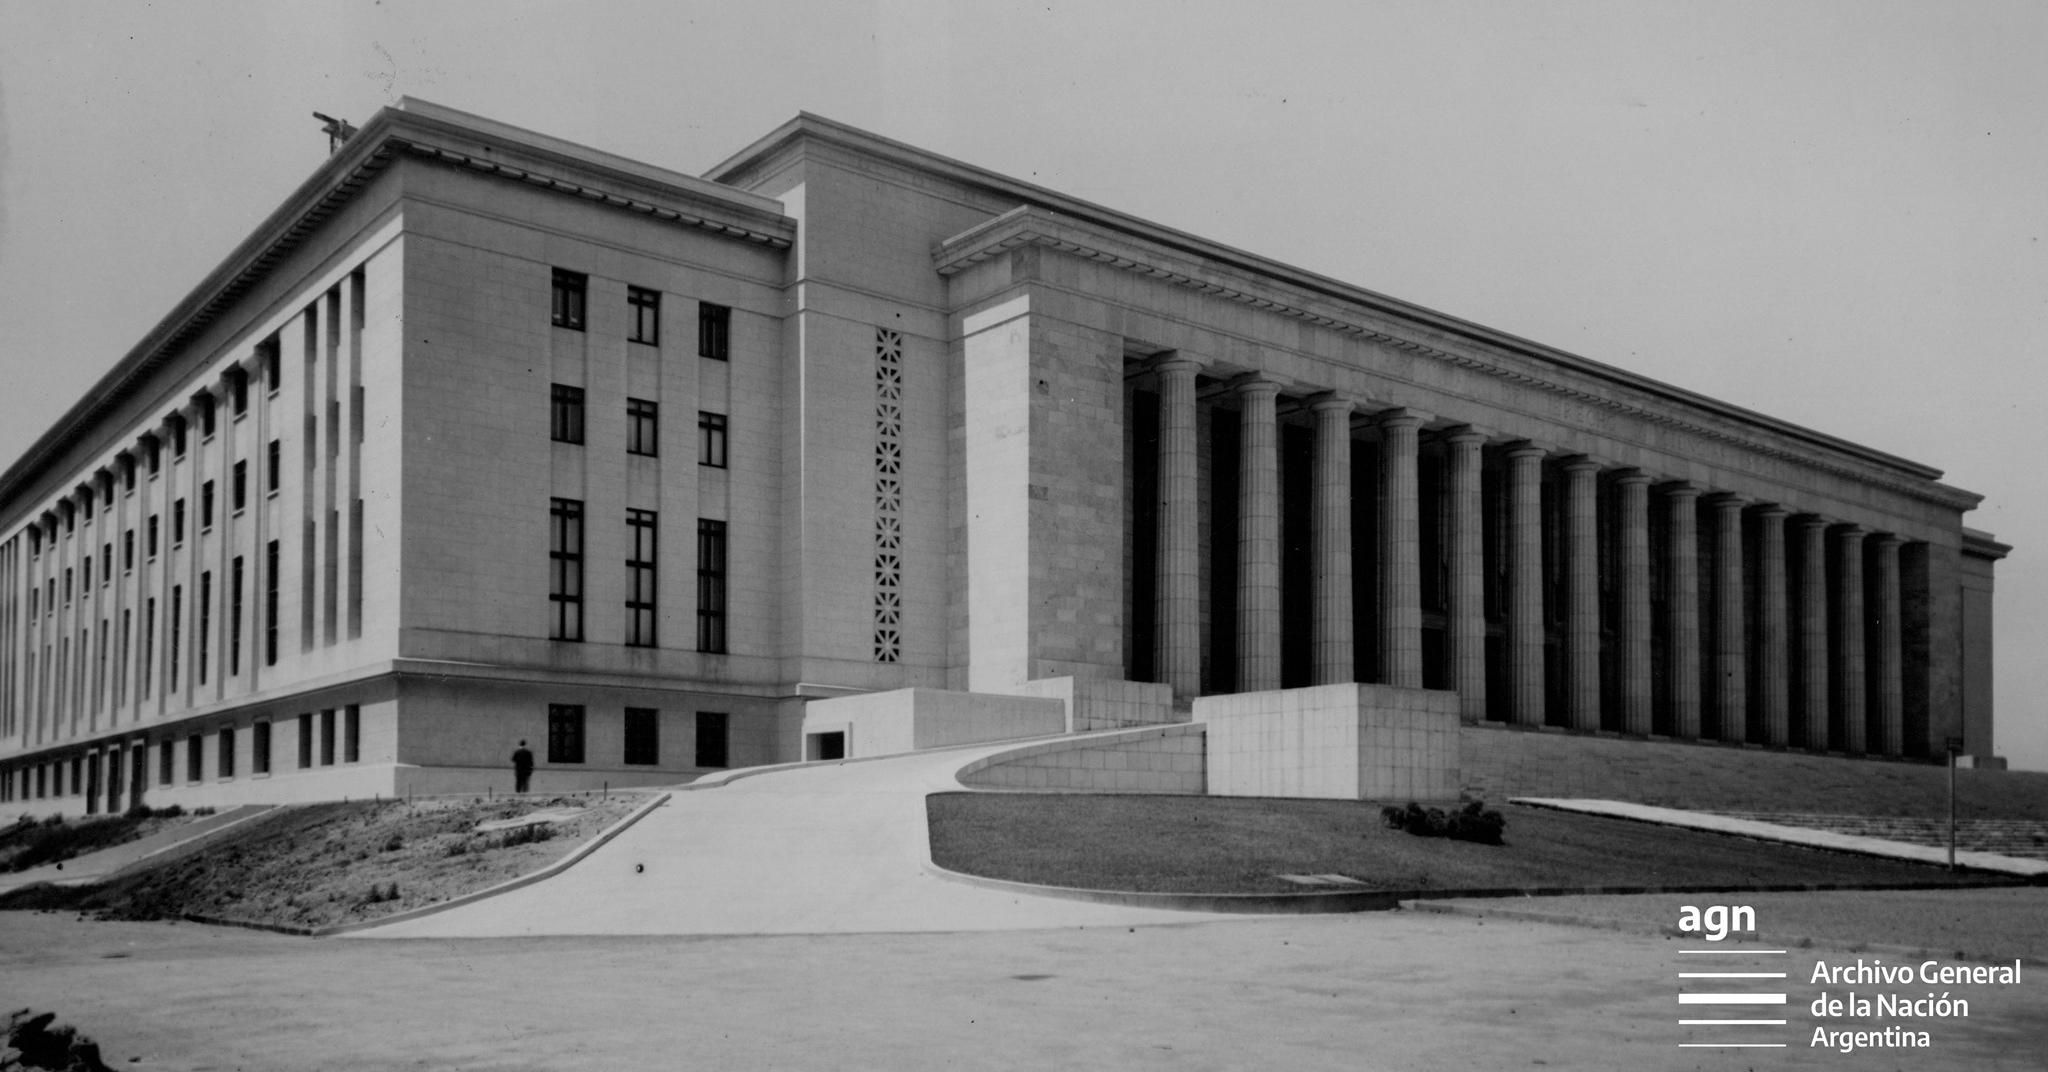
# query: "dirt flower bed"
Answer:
x=31 y=842
x=324 y=864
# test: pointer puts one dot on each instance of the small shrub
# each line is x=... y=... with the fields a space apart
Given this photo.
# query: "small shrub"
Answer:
x=1474 y=822
x=526 y=835
x=393 y=843
x=202 y=811
x=458 y=848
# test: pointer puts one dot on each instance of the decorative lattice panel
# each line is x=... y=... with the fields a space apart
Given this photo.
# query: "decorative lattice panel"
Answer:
x=888 y=495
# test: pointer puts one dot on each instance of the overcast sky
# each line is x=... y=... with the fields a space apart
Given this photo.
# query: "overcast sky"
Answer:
x=1829 y=212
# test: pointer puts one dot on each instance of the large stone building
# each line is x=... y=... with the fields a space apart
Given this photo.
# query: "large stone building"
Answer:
x=484 y=436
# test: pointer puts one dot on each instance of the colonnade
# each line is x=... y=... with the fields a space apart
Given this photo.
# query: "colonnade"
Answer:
x=1804 y=630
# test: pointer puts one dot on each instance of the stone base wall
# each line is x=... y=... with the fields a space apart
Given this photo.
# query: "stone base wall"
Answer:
x=903 y=720
x=1345 y=742
x=1166 y=759
x=1095 y=703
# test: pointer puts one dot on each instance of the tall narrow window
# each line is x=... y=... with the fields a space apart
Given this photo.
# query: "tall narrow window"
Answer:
x=565 y=733
x=148 y=642
x=206 y=506
x=178 y=522
x=127 y=472
x=640 y=578
x=205 y=620
x=270 y=604
x=712 y=742
x=351 y=734
x=238 y=390
x=565 y=570
x=276 y=464
x=177 y=423
x=646 y=308
x=642 y=427
x=643 y=736
x=154 y=450
x=566 y=419
x=166 y=762
x=711 y=439
x=327 y=737
x=208 y=415
x=227 y=752
x=711 y=586
x=240 y=490
x=714 y=331
x=273 y=369
x=106 y=562
x=259 y=748
x=195 y=760
x=569 y=288
x=305 y=740
x=235 y=617
x=177 y=633
x=128 y=550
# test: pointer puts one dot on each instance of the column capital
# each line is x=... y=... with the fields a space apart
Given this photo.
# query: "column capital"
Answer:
x=1811 y=521
x=1175 y=362
x=1400 y=418
x=1684 y=489
x=1580 y=464
x=1465 y=433
x=1524 y=449
x=1252 y=383
x=1773 y=511
x=1329 y=402
x=1888 y=540
x=1634 y=477
x=1728 y=500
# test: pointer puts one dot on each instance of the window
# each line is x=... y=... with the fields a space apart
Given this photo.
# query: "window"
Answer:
x=127 y=472
x=85 y=577
x=128 y=550
x=566 y=425
x=270 y=604
x=305 y=740
x=351 y=734
x=155 y=452
x=235 y=617
x=177 y=633
x=641 y=427
x=640 y=527
x=206 y=506
x=273 y=370
x=568 y=305
x=227 y=753
x=711 y=440
x=148 y=641
x=67 y=586
x=712 y=739
x=714 y=331
x=241 y=486
x=711 y=586
x=259 y=748
x=107 y=562
x=166 y=764
x=643 y=736
x=205 y=620
x=565 y=570
x=178 y=522
x=327 y=737
x=276 y=466
x=85 y=500
x=238 y=389
x=149 y=538
x=646 y=307
x=177 y=423
x=208 y=411
x=565 y=733
x=195 y=762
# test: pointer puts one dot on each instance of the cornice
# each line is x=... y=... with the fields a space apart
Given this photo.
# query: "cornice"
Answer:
x=1029 y=225
x=429 y=133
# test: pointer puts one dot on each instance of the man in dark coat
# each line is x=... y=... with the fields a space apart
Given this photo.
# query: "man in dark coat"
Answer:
x=522 y=768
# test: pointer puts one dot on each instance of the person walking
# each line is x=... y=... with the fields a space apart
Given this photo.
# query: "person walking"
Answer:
x=522 y=768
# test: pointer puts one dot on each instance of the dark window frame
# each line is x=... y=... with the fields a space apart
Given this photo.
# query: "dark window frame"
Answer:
x=643 y=427
x=565 y=569
x=642 y=582
x=570 y=298
x=645 y=305
x=565 y=733
x=642 y=731
x=714 y=331
x=714 y=432
x=711 y=586
x=565 y=414
x=714 y=739
x=259 y=748
x=238 y=486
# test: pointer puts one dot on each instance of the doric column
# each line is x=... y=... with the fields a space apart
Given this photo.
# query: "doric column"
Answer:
x=1335 y=661
x=1400 y=552
x=1582 y=585
x=1773 y=647
x=1731 y=670
x=1525 y=584
x=1890 y=701
x=1684 y=603
x=1814 y=692
x=1633 y=630
x=1178 y=599
x=1850 y=691
x=1258 y=538
x=1468 y=574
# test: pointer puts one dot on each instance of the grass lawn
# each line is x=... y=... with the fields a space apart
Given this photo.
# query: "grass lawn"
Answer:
x=1238 y=845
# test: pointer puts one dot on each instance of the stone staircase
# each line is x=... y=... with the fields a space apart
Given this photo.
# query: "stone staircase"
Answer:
x=2007 y=837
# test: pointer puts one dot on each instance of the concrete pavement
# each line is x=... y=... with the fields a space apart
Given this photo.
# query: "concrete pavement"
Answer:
x=812 y=849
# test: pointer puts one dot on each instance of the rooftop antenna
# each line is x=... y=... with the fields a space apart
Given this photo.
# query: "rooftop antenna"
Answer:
x=338 y=131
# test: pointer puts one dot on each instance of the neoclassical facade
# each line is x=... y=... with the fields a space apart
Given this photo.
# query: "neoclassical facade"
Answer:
x=485 y=436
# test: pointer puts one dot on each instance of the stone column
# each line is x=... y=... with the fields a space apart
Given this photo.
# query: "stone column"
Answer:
x=1731 y=669
x=1814 y=694
x=1850 y=691
x=1633 y=630
x=1525 y=584
x=1178 y=598
x=1582 y=585
x=1684 y=604
x=1889 y=703
x=1468 y=574
x=1335 y=662
x=1400 y=552
x=1258 y=538
x=1773 y=648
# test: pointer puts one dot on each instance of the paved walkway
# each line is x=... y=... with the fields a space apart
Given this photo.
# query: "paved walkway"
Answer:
x=813 y=849
x=1796 y=835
